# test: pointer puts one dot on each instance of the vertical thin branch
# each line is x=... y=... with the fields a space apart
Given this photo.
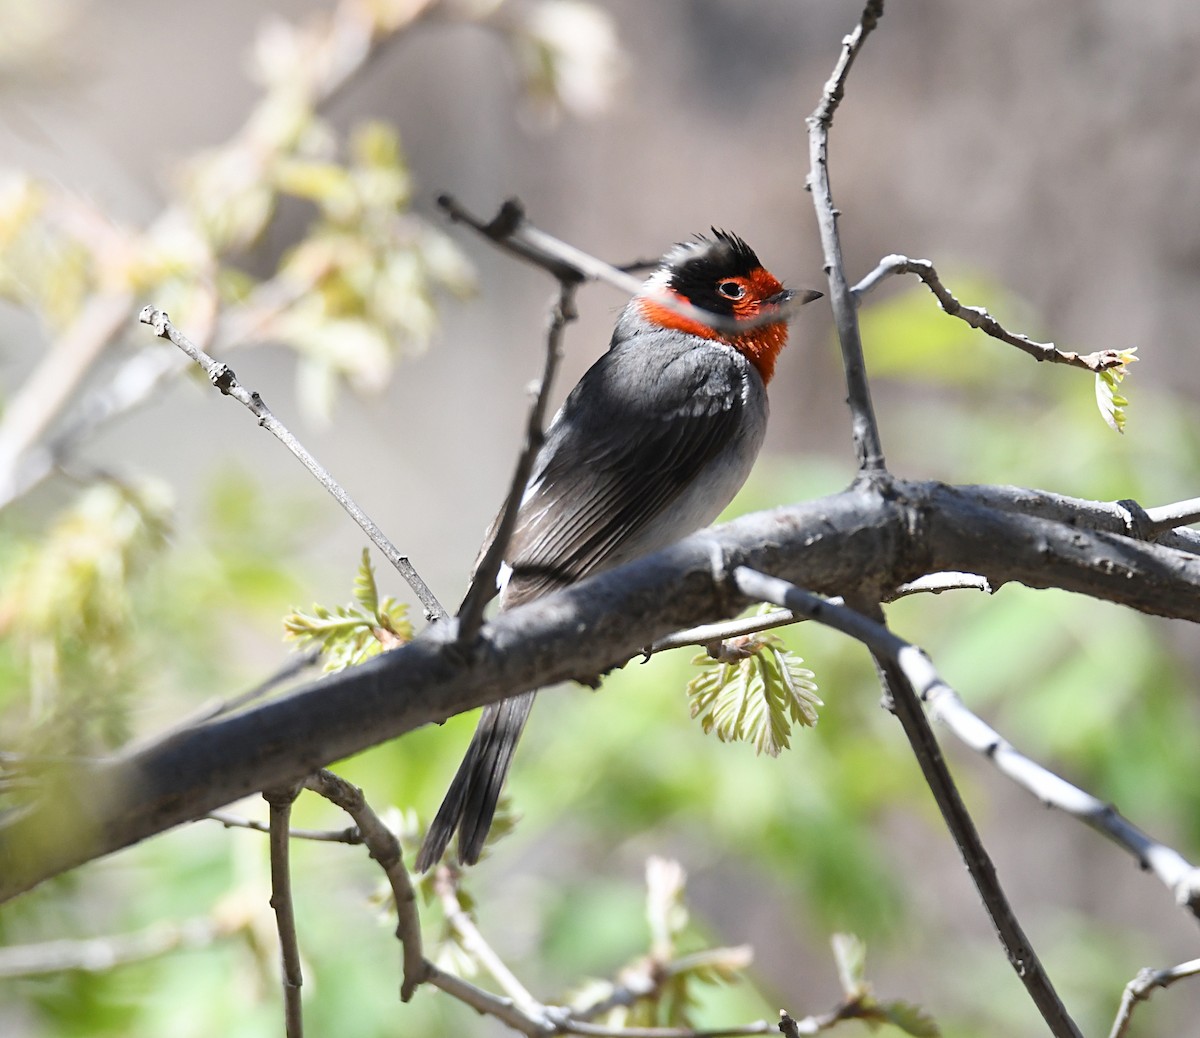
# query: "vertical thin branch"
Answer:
x=280 y=802
x=1021 y=954
x=867 y=442
x=483 y=582
x=891 y=653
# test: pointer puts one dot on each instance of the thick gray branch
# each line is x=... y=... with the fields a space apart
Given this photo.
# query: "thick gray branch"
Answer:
x=872 y=536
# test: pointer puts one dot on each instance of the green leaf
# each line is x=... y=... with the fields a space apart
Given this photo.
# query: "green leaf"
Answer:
x=755 y=698
x=850 y=954
x=350 y=635
x=365 y=590
x=1111 y=403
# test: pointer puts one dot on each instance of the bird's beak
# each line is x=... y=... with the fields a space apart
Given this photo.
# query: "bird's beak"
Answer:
x=802 y=295
x=796 y=296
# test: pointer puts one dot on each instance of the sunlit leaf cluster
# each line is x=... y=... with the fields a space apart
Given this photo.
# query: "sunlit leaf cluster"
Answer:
x=351 y=634
x=755 y=691
x=1108 y=395
x=66 y=613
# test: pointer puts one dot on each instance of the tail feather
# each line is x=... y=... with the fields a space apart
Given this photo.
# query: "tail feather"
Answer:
x=470 y=803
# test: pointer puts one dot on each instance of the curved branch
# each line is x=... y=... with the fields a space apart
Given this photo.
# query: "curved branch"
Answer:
x=977 y=317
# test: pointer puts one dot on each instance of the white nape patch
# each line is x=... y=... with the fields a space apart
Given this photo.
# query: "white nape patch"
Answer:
x=658 y=281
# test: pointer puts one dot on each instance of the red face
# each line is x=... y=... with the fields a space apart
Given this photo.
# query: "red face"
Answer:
x=744 y=295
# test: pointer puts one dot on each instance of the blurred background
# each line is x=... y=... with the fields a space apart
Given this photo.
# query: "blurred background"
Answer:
x=267 y=172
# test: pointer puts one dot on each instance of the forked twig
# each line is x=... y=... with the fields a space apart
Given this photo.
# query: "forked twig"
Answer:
x=978 y=317
x=908 y=675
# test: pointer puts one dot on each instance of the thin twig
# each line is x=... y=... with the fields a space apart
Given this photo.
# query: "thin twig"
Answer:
x=707 y=634
x=483 y=581
x=510 y=230
x=654 y=973
x=473 y=941
x=488 y=1004
x=1142 y=986
x=351 y=835
x=1168 y=517
x=522 y=1012
x=280 y=802
x=385 y=849
x=223 y=378
x=867 y=443
x=96 y=954
x=573 y=1026
x=341 y=45
x=978 y=317
x=905 y=682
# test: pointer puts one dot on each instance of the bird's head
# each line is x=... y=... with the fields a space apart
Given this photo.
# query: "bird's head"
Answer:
x=723 y=275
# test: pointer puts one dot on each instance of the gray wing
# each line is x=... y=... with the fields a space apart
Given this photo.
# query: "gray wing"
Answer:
x=659 y=410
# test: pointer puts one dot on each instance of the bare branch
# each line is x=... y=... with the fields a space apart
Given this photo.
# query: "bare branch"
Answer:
x=708 y=634
x=1167 y=517
x=483 y=582
x=573 y=1026
x=1111 y=517
x=907 y=673
x=349 y=836
x=223 y=378
x=867 y=442
x=652 y=973
x=939 y=583
x=63 y=367
x=861 y=538
x=385 y=849
x=977 y=317
x=485 y=1002
x=1142 y=986
x=280 y=801
x=511 y=231
x=341 y=45
x=474 y=943
x=293 y=667
x=521 y=1011
x=96 y=954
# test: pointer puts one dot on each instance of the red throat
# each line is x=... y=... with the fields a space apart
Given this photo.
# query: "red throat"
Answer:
x=760 y=345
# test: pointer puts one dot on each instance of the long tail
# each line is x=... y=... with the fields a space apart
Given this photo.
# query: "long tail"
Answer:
x=470 y=802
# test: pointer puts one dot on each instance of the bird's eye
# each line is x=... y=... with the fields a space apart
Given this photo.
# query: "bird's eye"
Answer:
x=732 y=289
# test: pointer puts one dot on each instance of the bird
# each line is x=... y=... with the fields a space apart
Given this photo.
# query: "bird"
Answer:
x=651 y=445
